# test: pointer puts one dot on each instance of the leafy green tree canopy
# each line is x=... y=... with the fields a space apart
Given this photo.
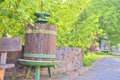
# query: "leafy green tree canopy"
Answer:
x=109 y=17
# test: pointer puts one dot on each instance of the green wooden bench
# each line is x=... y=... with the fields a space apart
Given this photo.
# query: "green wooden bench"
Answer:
x=38 y=65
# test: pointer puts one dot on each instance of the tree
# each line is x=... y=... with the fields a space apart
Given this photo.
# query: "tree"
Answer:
x=109 y=21
x=108 y=18
x=15 y=14
x=64 y=16
x=80 y=23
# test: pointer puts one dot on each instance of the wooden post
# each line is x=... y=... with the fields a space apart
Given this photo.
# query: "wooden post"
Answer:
x=3 y=58
x=2 y=70
x=3 y=61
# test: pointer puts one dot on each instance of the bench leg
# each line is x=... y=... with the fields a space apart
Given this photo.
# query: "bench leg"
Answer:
x=2 y=73
x=28 y=72
x=37 y=74
x=50 y=72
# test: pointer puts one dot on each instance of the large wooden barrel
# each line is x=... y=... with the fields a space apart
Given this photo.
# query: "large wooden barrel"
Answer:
x=40 y=42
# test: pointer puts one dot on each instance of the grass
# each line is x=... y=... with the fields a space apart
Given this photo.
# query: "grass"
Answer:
x=90 y=58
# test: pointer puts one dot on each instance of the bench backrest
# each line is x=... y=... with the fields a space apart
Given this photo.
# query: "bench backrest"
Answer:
x=8 y=44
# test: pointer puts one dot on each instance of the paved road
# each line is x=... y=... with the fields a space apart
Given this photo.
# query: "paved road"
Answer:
x=116 y=53
x=105 y=69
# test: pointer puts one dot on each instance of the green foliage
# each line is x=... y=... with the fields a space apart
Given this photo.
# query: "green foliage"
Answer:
x=79 y=23
x=90 y=58
x=13 y=77
x=108 y=12
x=74 y=28
x=88 y=29
x=15 y=14
x=64 y=16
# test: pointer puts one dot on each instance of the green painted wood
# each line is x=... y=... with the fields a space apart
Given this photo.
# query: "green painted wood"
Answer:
x=41 y=20
x=38 y=14
x=39 y=55
x=50 y=72
x=28 y=72
x=38 y=63
x=55 y=66
x=42 y=31
x=37 y=74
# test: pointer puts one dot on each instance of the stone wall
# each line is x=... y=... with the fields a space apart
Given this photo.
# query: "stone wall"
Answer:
x=70 y=59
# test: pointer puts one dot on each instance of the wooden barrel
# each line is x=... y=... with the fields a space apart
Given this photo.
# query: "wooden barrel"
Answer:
x=40 y=42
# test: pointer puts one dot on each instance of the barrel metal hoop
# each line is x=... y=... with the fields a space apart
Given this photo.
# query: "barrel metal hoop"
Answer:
x=42 y=31
x=39 y=55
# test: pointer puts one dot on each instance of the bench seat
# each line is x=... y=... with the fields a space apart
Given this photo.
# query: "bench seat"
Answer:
x=7 y=65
